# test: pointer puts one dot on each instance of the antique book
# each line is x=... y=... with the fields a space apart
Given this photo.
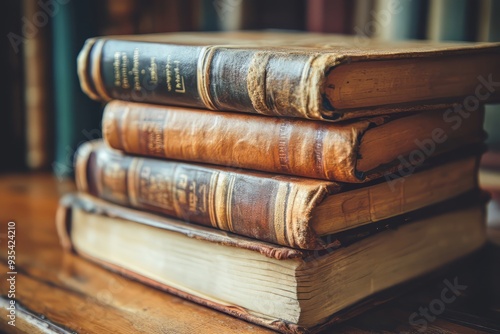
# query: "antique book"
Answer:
x=285 y=210
x=352 y=151
x=315 y=76
x=289 y=290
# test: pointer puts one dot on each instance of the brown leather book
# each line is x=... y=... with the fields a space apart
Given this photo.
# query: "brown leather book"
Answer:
x=354 y=151
x=290 y=211
x=315 y=76
x=285 y=289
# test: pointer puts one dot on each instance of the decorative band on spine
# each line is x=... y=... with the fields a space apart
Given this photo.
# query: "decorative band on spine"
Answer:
x=82 y=62
x=220 y=202
x=81 y=165
x=96 y=69
x=124 y=134
x=212 y=200
x=280 y=213
x=133 y=179
x=203 y=76
x=256 y=82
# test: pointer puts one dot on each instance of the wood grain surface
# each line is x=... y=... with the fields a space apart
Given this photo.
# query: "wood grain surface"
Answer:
x=57 y=292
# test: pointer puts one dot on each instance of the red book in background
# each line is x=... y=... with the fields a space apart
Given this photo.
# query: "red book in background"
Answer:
x=489 y=175
x=333 y=16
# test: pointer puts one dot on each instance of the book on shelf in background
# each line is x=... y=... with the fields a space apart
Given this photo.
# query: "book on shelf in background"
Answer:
x=452 y=20
x=404 y=19
x=13 y=131
x=489 y=176
x=278 y=14
x=77 y=119
x=38 y=91
x=331 y=16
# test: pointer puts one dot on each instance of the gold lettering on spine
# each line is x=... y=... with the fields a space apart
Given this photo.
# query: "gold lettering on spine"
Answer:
x=154 y=187
x=284 y=139
x=168 y=74
x=280 y=213
x=153 y=72
x=116 y=69
x=136 y=70
x=179 y=79
x=192 y=198
x=125 y=82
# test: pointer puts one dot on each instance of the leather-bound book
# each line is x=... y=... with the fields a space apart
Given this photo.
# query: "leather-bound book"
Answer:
x=355 y=151
x=285 y=210
x=289 y=290
x=314 y=76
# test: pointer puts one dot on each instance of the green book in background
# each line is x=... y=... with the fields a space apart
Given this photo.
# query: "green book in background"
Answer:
x=404 y=20
x=210 y=12
x=452 y=20
x=77 y=118
x=489 y=31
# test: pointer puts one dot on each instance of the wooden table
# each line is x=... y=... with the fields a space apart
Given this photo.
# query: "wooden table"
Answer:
x=62 y=293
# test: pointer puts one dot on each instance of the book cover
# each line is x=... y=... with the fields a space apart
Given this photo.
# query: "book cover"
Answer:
x=304 y=75
x=356 y=151
x=291 y=211
x=285 y=289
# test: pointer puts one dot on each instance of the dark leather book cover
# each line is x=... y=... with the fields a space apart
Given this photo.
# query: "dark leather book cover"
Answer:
x=281 y=74
x=275 y=208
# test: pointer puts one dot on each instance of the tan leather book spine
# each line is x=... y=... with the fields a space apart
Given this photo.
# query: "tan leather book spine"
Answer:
x=222 y=198
x=292 y=146
x=279 y=145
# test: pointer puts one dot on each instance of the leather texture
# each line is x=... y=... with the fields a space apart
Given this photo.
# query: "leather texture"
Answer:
x=100 y=207
x=292 y=146
x=264 y=73
x=268 y=207
x=223 y=198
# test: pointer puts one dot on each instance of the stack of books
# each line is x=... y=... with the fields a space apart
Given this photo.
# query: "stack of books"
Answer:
x=286 y=179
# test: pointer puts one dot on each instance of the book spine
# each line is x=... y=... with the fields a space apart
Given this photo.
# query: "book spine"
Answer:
x=267 y=82
x=225 y=199
x=279 y=145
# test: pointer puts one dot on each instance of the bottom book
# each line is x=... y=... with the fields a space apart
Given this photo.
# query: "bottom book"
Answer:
x=286 y=289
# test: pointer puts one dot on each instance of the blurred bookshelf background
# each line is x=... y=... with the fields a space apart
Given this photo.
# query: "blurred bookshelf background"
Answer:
x=45 y=115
